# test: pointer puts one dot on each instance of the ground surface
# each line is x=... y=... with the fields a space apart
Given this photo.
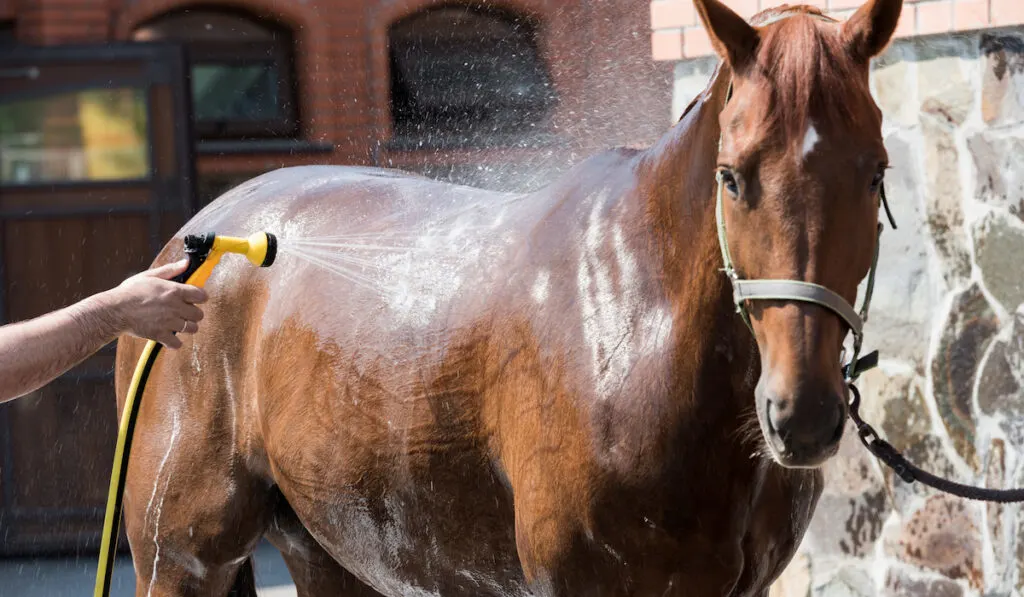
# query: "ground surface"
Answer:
x=70 y=577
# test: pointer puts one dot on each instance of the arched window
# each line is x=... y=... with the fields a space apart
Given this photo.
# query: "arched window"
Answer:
x=241 y=72
x=464 y=75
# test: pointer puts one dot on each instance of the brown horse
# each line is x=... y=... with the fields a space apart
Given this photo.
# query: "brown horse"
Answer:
x=552 y=394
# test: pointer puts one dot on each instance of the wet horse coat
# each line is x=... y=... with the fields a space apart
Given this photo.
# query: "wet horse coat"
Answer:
x=547 y=394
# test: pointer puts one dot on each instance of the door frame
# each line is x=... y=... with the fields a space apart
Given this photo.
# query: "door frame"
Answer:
x=166 y=62
x=165 y=65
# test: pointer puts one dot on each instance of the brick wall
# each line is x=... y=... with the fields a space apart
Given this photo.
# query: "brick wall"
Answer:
x=51 y=22
x=6 y=10
x=677 y=33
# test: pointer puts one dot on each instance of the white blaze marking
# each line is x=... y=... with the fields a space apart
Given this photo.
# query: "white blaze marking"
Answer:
x=810 y=140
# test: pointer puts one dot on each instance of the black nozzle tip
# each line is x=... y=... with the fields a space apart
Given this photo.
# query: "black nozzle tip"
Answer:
x=268 y=260
x=199 y=243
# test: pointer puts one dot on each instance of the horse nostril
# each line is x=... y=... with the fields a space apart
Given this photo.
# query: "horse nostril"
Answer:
x=780 y=415
x=840 y=425
x=814 y=426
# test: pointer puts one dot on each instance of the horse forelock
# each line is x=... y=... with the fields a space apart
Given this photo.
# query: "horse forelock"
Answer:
x=809 y=74
x=784 y=11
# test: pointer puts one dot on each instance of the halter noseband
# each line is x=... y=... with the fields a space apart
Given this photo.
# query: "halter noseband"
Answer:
x=799 y=290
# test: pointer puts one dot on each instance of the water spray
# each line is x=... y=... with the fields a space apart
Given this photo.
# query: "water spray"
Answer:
x=204 y=252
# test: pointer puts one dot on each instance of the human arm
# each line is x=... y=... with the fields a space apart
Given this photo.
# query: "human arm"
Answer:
x=148 y=305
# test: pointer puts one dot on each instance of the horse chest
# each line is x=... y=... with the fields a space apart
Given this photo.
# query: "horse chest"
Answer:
x=729 y=536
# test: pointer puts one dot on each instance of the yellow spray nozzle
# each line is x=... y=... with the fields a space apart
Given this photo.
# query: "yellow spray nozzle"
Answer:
x=259 y=248
x=205 y=250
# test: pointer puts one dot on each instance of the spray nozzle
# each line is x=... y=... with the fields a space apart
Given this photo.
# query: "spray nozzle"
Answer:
x=259 y=248
x=199 y=244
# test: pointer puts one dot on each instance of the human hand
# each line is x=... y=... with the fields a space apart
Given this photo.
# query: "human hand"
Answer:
x=149 y=305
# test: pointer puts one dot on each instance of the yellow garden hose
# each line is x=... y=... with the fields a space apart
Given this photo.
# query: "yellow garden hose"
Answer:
x=204 y=253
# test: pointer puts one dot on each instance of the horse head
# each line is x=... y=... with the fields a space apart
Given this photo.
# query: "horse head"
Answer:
x=800 y=169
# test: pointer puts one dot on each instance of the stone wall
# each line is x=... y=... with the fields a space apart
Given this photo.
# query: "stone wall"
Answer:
x=949 y=321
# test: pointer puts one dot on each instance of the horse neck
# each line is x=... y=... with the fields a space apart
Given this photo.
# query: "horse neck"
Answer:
x=711 y=343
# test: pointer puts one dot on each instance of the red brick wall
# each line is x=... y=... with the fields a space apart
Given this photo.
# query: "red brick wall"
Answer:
x=50 y=22
x=598 y=52
x=677 y=33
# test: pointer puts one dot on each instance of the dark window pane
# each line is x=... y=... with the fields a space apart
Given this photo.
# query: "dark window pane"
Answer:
x=213 y=185
x=460 y=72
x=96 y=134
x=235 y=92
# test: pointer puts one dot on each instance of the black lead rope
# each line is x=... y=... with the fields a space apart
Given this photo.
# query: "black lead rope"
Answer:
x=889 y=455
x=907 y=471
x=885 y=204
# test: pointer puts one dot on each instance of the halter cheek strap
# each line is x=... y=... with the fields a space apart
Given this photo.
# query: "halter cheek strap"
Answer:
x=798 y=290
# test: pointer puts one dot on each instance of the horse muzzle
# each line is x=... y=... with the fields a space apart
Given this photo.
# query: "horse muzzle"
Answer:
x=803 y=425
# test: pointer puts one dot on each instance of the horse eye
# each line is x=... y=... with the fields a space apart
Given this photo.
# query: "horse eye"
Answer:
x=729 y=180
x=876 y=182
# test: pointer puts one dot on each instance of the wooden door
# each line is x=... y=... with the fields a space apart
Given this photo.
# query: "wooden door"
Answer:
x=96 y=173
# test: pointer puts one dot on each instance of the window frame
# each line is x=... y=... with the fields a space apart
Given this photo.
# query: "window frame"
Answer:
x=275 y=42
x=245 y=53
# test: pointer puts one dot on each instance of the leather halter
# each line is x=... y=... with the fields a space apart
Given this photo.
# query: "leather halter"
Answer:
x=802 y=291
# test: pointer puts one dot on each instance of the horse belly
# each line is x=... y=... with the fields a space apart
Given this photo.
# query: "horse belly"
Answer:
x=428 y=533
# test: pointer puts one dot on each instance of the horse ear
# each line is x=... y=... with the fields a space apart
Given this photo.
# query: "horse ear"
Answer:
x=733 y=39
x=869 y=30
